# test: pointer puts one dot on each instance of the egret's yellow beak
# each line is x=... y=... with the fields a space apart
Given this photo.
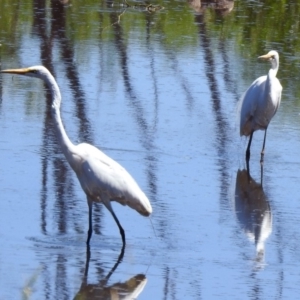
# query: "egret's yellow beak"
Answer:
x=16 y=71
x=266 y=56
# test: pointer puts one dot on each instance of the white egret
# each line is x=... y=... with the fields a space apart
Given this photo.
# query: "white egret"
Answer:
x=260 y=102
x=101 y=178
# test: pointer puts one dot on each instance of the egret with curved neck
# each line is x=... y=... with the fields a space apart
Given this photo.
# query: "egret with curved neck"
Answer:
x=260 y=102
x=101 y=178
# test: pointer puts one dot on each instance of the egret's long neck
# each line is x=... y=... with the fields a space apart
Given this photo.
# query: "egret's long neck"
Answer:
x=275 y=66
x=62 y=137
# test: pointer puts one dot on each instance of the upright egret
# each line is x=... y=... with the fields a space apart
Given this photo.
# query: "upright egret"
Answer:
x=260 y=102
x=101 y=178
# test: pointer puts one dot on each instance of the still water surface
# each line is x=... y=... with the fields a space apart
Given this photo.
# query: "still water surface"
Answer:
x=157 y=92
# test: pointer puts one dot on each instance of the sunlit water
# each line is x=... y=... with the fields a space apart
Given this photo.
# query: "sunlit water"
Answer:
x=166 y=109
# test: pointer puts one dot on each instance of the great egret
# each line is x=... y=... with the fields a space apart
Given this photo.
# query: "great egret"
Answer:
x=101 y=178
x=260 y=102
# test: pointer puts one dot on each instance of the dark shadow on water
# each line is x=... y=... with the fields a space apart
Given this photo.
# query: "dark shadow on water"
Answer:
x=222 y=128
x=59 y=28
x=1 y=90
x=231 y=83
x=129 y=289
x=151 y=57
x=183 y=82
x=39 y=29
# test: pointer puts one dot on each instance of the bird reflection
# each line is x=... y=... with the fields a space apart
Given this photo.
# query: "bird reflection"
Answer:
x=223 y=7
x=129 y=289
x=253 y=210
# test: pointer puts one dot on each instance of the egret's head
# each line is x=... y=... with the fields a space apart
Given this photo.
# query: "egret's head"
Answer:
x=273 y=57
x=35 y=71
x=270 y=56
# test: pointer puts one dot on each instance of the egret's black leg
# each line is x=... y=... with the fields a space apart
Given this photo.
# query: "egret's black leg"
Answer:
x=248 y=147
x=87 y=262
x=263 y=148
x=248 y=171
x=122 y=232
x=90 y=231
x=261 y=174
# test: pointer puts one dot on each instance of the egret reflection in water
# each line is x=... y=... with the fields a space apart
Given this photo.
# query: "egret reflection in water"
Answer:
x=129 y=289
x=253 y=211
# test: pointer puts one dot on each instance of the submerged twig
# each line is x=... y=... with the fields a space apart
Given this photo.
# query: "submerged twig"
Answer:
x=151 y=8
x=148 y=7
x=118 y=21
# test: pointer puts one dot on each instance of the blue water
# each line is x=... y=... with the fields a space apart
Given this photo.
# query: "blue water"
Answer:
x=168 y=114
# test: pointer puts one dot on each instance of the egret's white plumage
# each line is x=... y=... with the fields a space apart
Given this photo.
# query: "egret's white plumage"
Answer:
x=101 y=178
x=261 y=101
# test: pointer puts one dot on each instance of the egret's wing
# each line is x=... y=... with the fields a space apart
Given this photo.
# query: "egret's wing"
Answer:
x=98 y=171
x=101 y=175
x=249 y=103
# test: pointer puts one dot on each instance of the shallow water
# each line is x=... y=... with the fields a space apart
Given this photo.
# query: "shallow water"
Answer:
x=158 y=92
